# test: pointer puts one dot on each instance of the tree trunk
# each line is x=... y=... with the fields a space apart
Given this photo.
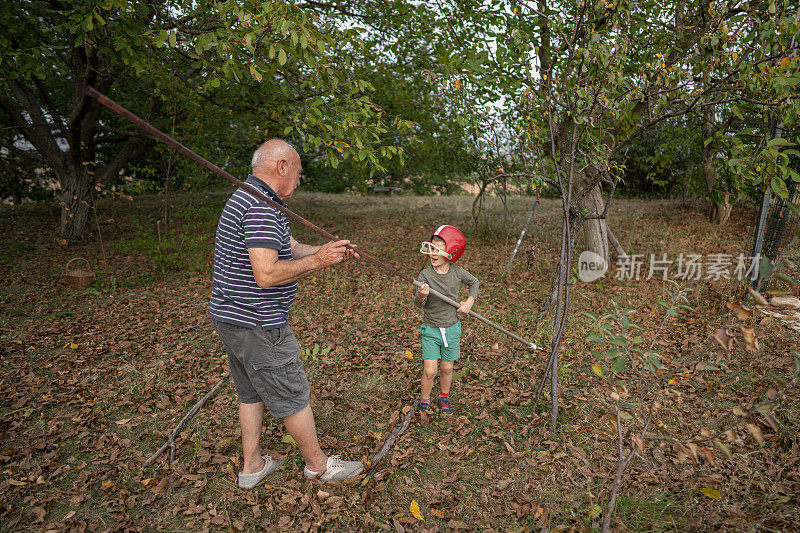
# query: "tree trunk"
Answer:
x=595 y=230
x=75 y=197
x=720 y=212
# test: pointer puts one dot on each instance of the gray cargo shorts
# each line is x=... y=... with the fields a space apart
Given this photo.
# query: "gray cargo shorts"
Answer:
x=266 y=365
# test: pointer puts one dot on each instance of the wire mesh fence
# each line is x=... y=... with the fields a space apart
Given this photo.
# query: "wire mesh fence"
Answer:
x=780 y=223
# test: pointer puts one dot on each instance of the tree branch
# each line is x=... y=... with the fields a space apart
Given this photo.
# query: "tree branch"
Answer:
x=24 y=153
x=133 y=147
x=52 y=110
x=40 y=137
x=175 y=432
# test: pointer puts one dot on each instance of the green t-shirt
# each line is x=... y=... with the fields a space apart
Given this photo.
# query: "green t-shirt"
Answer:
x=437 y=313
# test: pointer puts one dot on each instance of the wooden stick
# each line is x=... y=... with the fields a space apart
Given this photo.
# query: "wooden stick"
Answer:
x=193 y=411
x=396 y=432
x=622 y=464
x=616 y=244
x=521 y=235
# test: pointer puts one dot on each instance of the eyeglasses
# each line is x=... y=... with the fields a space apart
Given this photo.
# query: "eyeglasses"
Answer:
x=428 y=248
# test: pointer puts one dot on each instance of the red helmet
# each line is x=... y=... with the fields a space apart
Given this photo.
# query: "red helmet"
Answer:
x=454 y=241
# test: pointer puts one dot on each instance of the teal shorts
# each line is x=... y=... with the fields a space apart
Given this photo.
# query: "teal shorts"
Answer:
x=433 y=342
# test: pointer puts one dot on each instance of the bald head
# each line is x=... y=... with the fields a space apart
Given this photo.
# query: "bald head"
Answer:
x=278 y=164
x=271 y=152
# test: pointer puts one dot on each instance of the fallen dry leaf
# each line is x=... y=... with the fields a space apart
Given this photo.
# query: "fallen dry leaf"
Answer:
x=786 y=302
x=721 y=446
x=724 y=338
x=437 y=513
x=694 y=452
x=750 y=340
x=757 y=297
x=682 y=453
x=415 y=510
x=639 y=442
x=772 y=421
x=743 y=313
x=756 y=432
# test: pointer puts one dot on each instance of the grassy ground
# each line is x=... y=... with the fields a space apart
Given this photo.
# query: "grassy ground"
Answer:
x=94 y=379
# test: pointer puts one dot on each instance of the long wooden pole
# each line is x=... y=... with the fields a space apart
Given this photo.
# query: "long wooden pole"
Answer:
x=521 y=235
x=166 y=139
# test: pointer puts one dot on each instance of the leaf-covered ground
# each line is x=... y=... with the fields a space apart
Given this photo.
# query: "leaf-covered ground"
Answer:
x=94 y=379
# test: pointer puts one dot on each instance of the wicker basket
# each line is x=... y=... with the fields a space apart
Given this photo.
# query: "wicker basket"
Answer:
x=78 y=278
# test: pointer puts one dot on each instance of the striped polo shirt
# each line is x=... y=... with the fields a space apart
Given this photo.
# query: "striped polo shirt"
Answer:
x=247 y=222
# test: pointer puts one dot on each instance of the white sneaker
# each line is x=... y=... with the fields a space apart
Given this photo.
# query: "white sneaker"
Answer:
x=336 y=469
x=248 y=481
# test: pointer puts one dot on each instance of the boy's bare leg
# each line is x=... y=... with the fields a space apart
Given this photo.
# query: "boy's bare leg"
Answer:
x=303 y=430
x=251 y=416
x=429 y=369
x=447 y=377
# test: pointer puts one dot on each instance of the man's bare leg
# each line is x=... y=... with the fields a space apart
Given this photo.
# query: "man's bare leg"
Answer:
x=251 y=417
x=303 y=430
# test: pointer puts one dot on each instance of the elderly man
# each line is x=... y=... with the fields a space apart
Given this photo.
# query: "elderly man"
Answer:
x=257 y=264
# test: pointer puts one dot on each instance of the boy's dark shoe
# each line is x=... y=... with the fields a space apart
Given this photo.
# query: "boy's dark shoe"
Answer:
x=424 y=407
x=444 y=405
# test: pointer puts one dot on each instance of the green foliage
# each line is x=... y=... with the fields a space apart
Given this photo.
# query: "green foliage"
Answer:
x=397 y=56
x=220 y=76
x=316 y=353
x=276 y=57
x=663 y=162
x=411 y=94
x=321 y=177
x=599 y=76
x=618 y=339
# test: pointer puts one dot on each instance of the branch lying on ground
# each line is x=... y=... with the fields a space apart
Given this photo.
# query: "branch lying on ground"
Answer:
x=175 y=432
x=396 y=432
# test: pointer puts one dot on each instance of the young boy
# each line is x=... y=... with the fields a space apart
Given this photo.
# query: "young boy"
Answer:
x=441 y=329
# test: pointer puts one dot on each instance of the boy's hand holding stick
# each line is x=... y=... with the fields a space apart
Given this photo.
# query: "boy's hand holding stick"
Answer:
x=423 y=290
